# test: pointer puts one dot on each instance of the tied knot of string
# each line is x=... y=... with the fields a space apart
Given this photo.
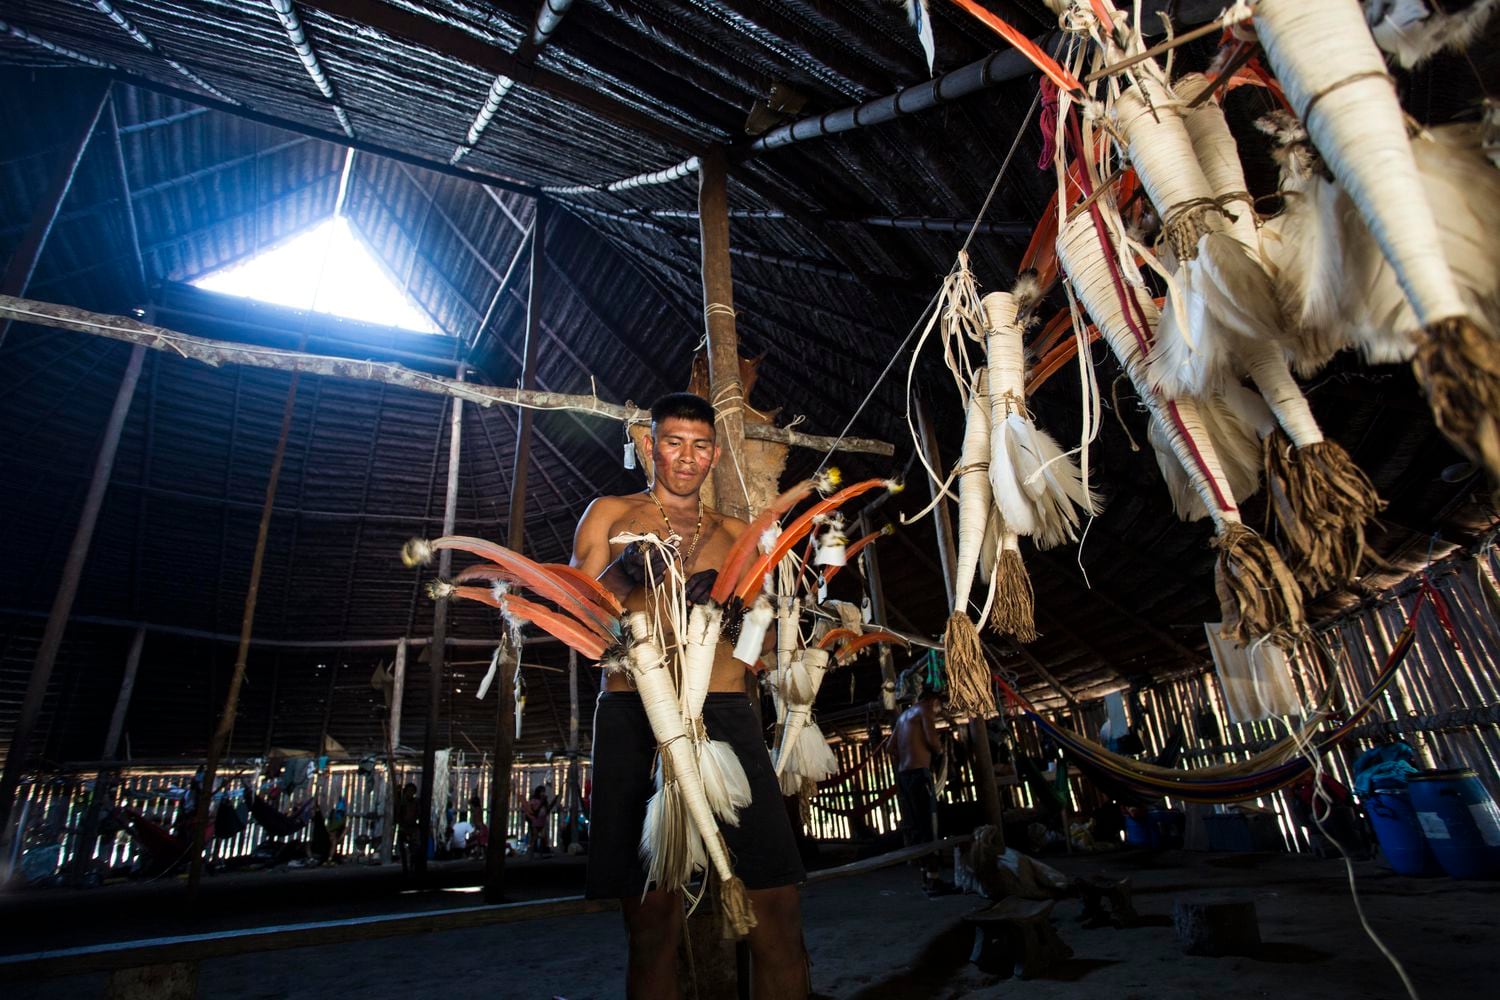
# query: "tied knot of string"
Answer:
x=719 y=309
x=1236 y=21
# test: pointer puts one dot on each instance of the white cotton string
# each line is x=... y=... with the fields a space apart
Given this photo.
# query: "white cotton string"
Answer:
x=978 y=218
x=728 y=399
x=1320 y=796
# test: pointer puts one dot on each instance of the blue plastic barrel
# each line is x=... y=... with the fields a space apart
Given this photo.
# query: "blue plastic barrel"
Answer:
x=1400 y=833
x=1460 y=820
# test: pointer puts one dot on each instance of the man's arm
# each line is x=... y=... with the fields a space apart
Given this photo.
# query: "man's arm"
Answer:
x=591 y=549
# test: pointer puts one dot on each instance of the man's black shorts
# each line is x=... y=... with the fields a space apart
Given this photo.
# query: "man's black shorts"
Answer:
x=918 y=805
x=762 y=848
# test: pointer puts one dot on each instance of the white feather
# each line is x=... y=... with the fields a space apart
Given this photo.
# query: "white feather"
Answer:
x=724 y=781
x=918 y=16
x=1413 y=32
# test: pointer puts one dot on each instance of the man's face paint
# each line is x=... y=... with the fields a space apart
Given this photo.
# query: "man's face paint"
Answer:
x=683 y=453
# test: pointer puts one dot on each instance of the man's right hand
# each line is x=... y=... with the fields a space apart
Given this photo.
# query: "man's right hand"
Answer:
x=638 y=557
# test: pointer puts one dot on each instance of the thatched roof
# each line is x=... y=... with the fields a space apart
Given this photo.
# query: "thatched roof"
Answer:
x=221 y=140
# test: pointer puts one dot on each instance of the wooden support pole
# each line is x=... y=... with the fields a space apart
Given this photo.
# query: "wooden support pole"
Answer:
x=437 y=652
x=498 y=809
x=220 y=741
x=876 y=590
x=979 y=736
x=122 y=702
x=62 y=602
x=127 y=203
x=393 y=742
x=575 y=783
x=726 y=391
x=23 y=260
x=531 y=351
x=224 y=352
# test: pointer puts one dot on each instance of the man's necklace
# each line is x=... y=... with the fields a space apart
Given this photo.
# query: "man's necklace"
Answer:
x=687 y=559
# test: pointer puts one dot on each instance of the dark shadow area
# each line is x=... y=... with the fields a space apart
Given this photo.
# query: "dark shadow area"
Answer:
x=1291 y=953
x=1074 y=969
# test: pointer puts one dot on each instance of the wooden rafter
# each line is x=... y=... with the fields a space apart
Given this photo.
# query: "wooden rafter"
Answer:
x=220 y=352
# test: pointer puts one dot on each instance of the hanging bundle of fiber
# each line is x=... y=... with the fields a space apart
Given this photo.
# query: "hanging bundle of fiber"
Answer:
x=969 y=689
x=724 y=780
x=1258 y=596
x=1321 y=500
x=1219 y=291
x=1335 y=79
x=802 y=754
x=680 y=834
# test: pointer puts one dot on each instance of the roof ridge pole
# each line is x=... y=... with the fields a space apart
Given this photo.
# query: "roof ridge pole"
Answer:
x=62 y=603
x=726 y=391
x=979 y=734
x=220 y=741
x=438 y=650
x=23 y=261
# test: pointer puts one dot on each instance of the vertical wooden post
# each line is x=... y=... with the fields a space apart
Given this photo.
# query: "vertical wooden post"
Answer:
x=499 y=800
x=393 y=736
x=438 y=650
x=122 y=702
x=530 y=354
x=23 y=261
x=575 y=790
x=979 y=736
x=220 y=739
x=877 y=615
x=725 y=389
x=67 y=590
x=333 y=682
x=727 y=393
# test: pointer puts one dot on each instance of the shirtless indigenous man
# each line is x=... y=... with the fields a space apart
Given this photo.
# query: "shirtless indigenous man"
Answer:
x=916 y=741
x=683 y=453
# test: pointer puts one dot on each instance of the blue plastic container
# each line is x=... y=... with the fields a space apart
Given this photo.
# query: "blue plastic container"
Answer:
x=1400 y=833
x=1460 y=820
x=1140 y=831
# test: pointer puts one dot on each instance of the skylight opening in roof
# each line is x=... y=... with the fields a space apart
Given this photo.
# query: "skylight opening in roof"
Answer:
x=327 y=269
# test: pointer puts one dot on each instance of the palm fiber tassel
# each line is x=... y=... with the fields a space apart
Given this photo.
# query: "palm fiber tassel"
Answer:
x=735 y=903
x=1258 y=597
x=970 y=691
x=670 y=843
x=1458 y=365
x=1013 y=612
x=1321 y=501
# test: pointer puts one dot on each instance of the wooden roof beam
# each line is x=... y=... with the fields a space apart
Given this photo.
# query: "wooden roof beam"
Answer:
x=142 y=282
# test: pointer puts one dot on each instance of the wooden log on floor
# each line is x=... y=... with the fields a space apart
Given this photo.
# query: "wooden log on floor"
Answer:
x=1216 y=925
x=168 y=981
x=1016 y=936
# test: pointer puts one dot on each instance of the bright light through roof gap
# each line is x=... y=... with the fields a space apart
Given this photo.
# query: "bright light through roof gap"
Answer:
x=327 y=269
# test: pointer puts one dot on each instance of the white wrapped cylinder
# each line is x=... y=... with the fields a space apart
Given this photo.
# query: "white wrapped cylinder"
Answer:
x=1083 y=258
x=753 y=630
x=974 y=491
x=1335 y=79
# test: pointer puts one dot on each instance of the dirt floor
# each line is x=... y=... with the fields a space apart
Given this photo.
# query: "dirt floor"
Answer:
x=873 y=936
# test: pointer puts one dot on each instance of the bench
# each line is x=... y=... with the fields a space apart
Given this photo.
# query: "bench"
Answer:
x=1015 y=936
x=1106 y=901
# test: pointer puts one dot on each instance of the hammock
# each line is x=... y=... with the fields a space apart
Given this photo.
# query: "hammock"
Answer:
x=159 y=847
x=277 y=823
x=1264 y=773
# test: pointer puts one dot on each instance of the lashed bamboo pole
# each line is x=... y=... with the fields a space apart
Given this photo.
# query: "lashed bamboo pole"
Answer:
x=393 y=742
x=438 y=650
x=122 y=702
x=498 y=807
x=222 y=352
x=726 y=391
x=220 y=739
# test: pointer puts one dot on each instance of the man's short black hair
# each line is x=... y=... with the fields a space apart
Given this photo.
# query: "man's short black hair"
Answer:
x=941 y=694
x=683 y=406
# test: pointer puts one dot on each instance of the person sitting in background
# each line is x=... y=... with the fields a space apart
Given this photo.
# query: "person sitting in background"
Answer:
x=463 y=831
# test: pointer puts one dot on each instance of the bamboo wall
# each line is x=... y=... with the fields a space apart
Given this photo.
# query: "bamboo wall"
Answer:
x=52 y=811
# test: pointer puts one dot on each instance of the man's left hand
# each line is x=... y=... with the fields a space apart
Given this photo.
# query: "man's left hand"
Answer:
x=700 y=585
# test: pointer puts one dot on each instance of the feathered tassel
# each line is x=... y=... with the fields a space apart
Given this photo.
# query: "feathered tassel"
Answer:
x=724 y=780
x=970 y=689
x=1258 y=597
x=1321 y=501
x=920 y=18
x=1413 y=31
x=670 y=844
x=1037 y=487
x=1013 y=612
